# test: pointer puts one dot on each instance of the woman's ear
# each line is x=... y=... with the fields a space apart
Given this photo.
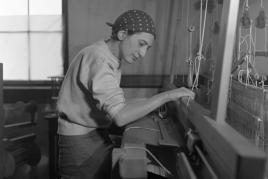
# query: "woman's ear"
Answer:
x=122 y=34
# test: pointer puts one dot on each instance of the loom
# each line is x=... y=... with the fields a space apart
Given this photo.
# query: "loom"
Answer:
x=184 y=139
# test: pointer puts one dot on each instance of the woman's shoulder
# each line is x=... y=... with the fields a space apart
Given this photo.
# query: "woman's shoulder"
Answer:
x=97 y=48
x=99 y=54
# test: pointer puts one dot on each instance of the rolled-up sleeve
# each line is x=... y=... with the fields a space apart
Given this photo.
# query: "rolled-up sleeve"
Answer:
x=105 y=86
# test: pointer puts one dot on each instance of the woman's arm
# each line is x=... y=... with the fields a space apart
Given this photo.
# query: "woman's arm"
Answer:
x=140 y=107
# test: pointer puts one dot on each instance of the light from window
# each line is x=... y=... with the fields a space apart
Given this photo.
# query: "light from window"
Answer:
x=31 y=39
x=45 y=7
x=13 y=7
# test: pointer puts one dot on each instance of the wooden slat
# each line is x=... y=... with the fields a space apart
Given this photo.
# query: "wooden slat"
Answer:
x=231 y=155
x=19 y=138
x=19 y=124
x=261 y=53
x=184 y=168
x=224 y=59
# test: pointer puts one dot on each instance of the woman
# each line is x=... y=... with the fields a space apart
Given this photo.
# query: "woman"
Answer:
x=91 y=99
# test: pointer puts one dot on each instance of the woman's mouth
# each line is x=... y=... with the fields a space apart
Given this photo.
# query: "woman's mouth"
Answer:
x=135 y=57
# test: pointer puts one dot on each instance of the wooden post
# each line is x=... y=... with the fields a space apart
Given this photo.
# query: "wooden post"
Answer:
x=1 y=122
x=224 y=60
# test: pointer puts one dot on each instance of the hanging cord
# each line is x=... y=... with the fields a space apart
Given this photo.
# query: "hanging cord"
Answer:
x=189 y=60
x=200 y=22
x=249 y=75
x=240 y=76
x=187 y=26
x=230 y=89
x=199 y=56
x=249 y=58
x=190 y=30
x=265 y=35
x=239 y=37
x=254 y=41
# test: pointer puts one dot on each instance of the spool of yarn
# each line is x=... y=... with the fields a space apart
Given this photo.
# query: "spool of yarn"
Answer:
x=216 y=27
x=245 y=20
x=260 y=20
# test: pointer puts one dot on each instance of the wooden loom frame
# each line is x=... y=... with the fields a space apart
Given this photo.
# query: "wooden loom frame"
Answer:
x=231 y=155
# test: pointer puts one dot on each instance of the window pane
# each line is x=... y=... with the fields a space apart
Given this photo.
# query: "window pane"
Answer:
x=46 y=23
x=13 y=23
x=13 y=7
x=46 y=55
x=14 y=56
x=45 y=7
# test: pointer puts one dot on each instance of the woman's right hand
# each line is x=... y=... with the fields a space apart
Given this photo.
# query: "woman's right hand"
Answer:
x=177 y=93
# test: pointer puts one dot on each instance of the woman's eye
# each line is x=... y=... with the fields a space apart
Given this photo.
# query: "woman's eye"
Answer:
x=142 y=44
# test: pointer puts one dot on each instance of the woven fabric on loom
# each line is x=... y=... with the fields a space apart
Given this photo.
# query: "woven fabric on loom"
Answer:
x=248 y=112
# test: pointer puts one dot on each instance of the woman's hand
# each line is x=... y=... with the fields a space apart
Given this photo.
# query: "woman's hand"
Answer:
x=175 y=94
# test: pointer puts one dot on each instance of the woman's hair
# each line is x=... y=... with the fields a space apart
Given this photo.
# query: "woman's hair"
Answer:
x=133 y=21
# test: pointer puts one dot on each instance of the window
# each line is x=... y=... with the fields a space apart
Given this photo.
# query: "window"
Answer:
x=31 y=39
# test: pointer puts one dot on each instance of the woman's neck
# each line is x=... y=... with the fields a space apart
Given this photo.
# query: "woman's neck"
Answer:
x=113 y=45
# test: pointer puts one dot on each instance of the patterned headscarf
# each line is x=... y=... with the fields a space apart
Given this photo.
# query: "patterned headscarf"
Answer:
x=134 y=21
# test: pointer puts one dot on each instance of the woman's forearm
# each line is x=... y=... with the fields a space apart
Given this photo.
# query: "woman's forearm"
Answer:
x=138 y=108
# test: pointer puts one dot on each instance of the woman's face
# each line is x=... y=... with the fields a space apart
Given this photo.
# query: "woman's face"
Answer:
x=134 y=47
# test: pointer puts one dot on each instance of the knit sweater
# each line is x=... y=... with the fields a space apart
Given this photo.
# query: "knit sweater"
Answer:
x=90 y=94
